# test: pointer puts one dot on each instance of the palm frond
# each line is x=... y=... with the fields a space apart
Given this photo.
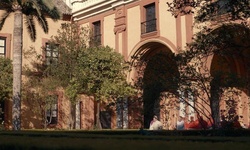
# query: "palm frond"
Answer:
x=42 y=22
x=29 y=21
x=55 y=14
x=5 y=5
x=36 y=7
x=3 y=18
x=49 y=9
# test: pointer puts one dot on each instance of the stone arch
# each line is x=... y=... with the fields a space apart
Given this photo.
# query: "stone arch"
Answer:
x=138 y=47
x=141 y=48
x=157 y=76
x=233 y=59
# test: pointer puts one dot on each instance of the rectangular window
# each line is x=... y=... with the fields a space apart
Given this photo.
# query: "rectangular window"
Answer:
x=122 y=113
x=52 y=109
x=51 y=53
x=96 y=33
x=150 y=20
x=2 y=47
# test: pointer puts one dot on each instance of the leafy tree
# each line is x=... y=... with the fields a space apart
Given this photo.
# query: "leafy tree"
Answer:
x=38 y=87
x=47 y=76
x=94 y=71
x=217 y=38
x=31 y=10
x=5 y=79
x=222 y=44
x=206 y=83
x=197 y=84
x=103 y=76
x=71 y=42
x=208 y=10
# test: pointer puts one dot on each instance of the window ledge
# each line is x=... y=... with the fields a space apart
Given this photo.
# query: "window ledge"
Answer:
x=149 y=34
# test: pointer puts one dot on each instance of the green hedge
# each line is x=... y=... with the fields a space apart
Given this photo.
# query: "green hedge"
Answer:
x=124 y=140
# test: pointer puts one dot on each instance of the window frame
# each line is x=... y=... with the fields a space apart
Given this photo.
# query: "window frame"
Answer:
x=149 y=24
x=4 y=46
x=51 y=49
x=52 y=111
x=97 y=33
x=155 y=33
x=8 y=38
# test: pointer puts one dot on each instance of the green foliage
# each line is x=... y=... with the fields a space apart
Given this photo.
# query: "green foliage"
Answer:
x=6 y=78
x=95 y=71
x=29 y=11
x=208 y=10
x=125 y=139
x=103 y=74
x=220 y=41
x=71 y=42
x=38 y=86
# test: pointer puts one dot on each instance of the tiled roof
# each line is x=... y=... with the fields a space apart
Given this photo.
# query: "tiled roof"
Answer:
x=64 y=9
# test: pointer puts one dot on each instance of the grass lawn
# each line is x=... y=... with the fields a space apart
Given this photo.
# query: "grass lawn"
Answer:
x=81 y=140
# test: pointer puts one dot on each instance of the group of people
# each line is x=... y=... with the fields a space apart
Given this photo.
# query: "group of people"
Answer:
x=199 y=123
x=192 y=124
x=233 y=123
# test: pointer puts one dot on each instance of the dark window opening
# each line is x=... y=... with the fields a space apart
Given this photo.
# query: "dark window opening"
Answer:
x=96 y=39
x=149 y=25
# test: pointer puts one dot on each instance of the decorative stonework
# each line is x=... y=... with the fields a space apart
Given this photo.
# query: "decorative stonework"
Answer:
x=120 y=20
x=120 y=29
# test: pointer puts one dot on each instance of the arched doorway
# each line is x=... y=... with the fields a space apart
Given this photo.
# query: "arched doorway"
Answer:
x=230 y=69
x=159 y=75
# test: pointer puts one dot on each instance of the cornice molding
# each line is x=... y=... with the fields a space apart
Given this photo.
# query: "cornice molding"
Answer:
x=88 y=8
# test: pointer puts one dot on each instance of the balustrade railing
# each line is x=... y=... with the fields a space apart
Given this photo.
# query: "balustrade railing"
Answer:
x=148 y=26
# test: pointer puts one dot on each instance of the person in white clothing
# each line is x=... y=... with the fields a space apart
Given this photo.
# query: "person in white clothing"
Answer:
x=155 y=124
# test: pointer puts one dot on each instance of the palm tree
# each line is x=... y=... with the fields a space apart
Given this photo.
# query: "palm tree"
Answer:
x=29 y=10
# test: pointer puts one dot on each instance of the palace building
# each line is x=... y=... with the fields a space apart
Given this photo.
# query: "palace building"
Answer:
x=133 y=28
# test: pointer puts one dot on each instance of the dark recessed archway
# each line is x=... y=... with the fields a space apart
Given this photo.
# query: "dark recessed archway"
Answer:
x=232 y=60
x=159 y=75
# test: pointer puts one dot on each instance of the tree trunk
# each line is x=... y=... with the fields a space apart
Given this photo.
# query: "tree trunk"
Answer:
x=17 y=69
x=215 y=102
x=72 y=116
x=98 y=122
x=45 y=119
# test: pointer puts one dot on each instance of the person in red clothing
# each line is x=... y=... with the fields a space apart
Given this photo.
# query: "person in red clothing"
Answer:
x=199 y=123
x=193 y=124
